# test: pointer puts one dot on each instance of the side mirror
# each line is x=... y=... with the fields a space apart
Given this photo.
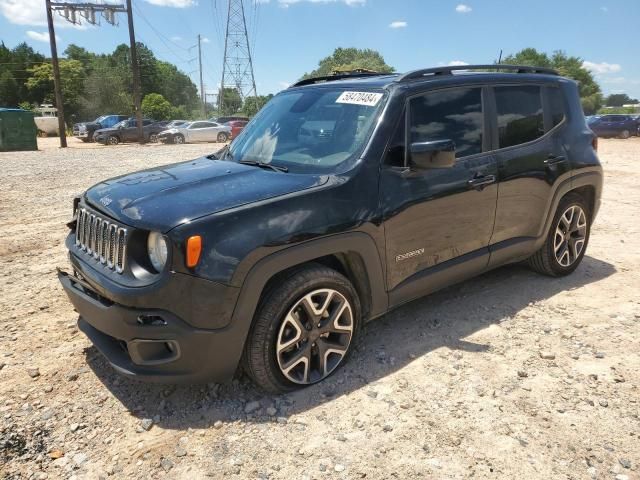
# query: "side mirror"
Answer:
x=434 y=154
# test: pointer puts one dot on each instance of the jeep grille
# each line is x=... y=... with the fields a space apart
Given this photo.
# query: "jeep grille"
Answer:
x=101 y=239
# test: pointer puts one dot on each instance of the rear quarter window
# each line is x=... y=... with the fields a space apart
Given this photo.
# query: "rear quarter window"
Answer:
x=556 y=105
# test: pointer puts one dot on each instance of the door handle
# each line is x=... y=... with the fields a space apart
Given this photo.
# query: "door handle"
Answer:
x=482 y=181
x=555 y=159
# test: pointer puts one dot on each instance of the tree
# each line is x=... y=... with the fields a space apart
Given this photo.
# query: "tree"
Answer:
x=619 y=99
x=590 y=92
x=156 y=106
x=232 y=101
x=252 y=105
x=105 y=95
x=8 y=90
x=349 y=59
x=72 y=76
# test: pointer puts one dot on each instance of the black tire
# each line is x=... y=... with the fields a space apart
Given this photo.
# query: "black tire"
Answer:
x=625 y=134
x=222 y=137
x=178 y=139
x=153 y=138
x=113 y=140
x=545 y=260
x=259 y=358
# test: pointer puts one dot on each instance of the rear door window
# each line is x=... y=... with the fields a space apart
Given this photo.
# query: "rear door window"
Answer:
x=452 y=114
x=520 y=118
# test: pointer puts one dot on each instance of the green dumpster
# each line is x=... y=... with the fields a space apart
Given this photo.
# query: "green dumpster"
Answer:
x=17 y=130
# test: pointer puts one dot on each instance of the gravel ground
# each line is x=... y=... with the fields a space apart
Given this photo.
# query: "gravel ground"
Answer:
x=509 y=375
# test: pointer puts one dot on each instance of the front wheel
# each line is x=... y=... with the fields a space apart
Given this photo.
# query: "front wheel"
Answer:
x=113 y=140
x=303 y=330
x=222 y=137
x=567 y=240
x=153 y=138
x=178 y=139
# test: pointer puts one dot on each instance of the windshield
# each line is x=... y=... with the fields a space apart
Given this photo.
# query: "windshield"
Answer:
x=310 y=130
x=99 y=119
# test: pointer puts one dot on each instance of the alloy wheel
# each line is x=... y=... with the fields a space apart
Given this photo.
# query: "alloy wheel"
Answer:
x=570 y=235
x=113 y=140
x=179 y=139
x=315 y=336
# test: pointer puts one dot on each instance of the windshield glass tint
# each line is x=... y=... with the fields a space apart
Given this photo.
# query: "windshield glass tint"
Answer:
x=309 y=130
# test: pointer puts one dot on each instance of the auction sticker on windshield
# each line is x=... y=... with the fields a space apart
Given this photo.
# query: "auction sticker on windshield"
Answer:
x=369 y=99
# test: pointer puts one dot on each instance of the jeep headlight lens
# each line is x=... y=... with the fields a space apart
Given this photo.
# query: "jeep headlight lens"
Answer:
x=157 y=249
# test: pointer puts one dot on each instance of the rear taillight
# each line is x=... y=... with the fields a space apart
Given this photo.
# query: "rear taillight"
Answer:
x=594 y=143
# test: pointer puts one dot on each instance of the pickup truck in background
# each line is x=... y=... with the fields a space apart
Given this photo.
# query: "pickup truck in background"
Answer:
x=85 y=130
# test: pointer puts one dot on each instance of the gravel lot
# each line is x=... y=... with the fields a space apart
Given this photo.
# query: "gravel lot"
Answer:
x=509 y=375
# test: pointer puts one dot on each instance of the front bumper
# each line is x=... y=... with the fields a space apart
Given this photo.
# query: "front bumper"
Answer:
x=80 y=134
x=154 y=344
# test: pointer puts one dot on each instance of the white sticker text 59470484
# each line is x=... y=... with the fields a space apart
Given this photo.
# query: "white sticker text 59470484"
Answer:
x=369 y=99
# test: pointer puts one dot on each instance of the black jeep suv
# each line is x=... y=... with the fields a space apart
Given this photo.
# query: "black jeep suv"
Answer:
x=345 y=197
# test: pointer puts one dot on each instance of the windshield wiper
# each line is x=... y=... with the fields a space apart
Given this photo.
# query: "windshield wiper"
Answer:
x=254 y=163
x=223 y=153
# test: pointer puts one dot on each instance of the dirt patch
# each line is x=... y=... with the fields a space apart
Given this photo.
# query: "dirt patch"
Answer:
x=509 y=375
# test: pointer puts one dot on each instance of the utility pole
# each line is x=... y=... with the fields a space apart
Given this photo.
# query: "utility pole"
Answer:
x=202 y=94
x=56 y=77
x=135 y=68
x=237 y=66
x=68 y=11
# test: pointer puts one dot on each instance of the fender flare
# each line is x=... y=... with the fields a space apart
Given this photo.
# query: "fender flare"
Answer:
x=262 y=271
x=592 y=178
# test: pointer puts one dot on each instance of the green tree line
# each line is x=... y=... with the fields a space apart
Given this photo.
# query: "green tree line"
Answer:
x=96 y=84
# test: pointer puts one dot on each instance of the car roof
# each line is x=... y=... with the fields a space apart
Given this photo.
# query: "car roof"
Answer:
x=445 y=75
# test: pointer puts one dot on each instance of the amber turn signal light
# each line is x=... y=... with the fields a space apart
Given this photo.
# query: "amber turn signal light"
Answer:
x=194 y=248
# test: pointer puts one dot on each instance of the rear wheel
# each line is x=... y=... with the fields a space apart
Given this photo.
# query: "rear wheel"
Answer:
x=567 y=240
x=178 y=139
x=303 y=330
x=625 y=134
x=222 y=137
x=113 y=140
x=153 y=138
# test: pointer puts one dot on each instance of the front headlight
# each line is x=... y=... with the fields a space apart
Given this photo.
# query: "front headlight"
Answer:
x=157 y=249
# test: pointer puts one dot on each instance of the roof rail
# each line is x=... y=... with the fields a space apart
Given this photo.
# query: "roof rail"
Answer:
x=448 y=70
x=337 y=76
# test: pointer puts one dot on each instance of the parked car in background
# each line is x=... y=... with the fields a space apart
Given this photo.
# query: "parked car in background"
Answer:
x=224 y=120
x=86 y=130
x=618 y=125
x=176 y=123
x=199 y=131
x=127 y=131
x=236 y=127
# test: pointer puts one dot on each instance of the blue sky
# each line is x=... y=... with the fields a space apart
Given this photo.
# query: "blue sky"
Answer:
x=292 y=35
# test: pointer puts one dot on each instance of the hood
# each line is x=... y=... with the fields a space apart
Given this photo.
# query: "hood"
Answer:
x=165 y=197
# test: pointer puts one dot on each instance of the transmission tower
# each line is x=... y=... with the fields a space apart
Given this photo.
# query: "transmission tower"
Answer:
x=237 y=66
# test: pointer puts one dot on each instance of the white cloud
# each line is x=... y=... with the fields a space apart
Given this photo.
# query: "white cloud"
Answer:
x=462 y=8
x=604 y=9
x=205 y=40
x=603 y=67
x=172 y=3
x=457 y=63
x=32 y=12
x=40 y=36
x=398 y=24
x=176 y=38
x=284 y=85
x=351 y=3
